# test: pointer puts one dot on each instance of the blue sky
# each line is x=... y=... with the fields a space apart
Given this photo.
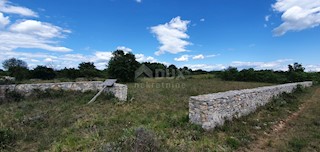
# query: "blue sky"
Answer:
x=203 y=34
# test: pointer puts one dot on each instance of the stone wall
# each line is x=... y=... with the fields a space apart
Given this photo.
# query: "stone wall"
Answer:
x=119 y=90
x=212 y=110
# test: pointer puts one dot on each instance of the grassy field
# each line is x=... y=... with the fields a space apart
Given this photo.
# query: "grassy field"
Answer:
x=154 y=119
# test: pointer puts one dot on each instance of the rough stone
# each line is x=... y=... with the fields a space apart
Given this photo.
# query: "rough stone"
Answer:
x=119 y=90
x=233 y=104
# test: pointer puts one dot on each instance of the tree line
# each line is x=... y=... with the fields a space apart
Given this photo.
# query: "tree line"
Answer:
x=295 y=73
x=122 y=66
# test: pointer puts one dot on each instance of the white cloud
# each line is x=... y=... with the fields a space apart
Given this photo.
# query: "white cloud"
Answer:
x=103 y=56
x=28 y=34
x=312 y=68
x=198 y=57
x=206 y=67
x=124 y=49
x=297 y=15
x=212 y=55
x=267 y=18
x=37 y=28
x=143 y=58
x=172 y=36
x=7 y=7
x=3 y=20
x=11 y=40
x=183 y=58
x=275 y=65
x=60 y=61
x=48 y=60
x=202 y=20
x=138 y=1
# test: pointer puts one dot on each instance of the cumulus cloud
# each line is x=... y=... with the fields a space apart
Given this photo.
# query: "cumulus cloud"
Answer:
x=198 y=57
x=202 y=20
x=172 y=36
x=11 y=40
x=7 y=7
x=297 y=15
x=125 y=49
x=138 y=1
x=3 y=20
x=183 y=58
x=37 y=28
x=143 y=58
x=29 y=34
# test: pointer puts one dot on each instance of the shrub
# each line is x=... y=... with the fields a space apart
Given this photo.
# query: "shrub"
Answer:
x=7 y=138
x=88 y=70
x=141 y=140
x=297 y=144
x=43 y=72
x=233 y=142
x=71 y=73
x=13 y=96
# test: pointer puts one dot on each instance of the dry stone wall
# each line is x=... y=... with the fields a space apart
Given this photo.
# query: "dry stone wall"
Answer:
x=213 y=110
x=119 y=90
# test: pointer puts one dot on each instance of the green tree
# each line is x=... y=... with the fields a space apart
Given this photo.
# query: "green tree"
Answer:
x=43 y=72
x=122 y=66
x=88 y=70
x=296 y=67
x=296 y=73
x=70 y=73
x=231 y=73
x=16 y=68
x=13 y=62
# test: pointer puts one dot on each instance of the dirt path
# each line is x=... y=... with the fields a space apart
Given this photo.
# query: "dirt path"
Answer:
x=261 y=144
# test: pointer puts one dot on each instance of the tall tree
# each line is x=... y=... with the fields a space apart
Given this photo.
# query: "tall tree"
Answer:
x=13 y=62
x=122 y=66
x=16 y=68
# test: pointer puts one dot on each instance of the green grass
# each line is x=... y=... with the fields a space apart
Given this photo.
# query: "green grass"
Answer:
x=302 y=133
x=64 y=122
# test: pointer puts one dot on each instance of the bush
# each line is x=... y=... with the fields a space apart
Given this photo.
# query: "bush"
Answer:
x=297 y=144
x=233 y=142
x=88 y=70
x=43 y=72
x=20 y=73
x=71 y=73
x=295 y=74
x=7 y=138
x=13 y=96
x=141 y=140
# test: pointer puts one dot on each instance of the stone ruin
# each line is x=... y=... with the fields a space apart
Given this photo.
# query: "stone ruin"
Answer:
x=120 y=91
x=213 y=110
